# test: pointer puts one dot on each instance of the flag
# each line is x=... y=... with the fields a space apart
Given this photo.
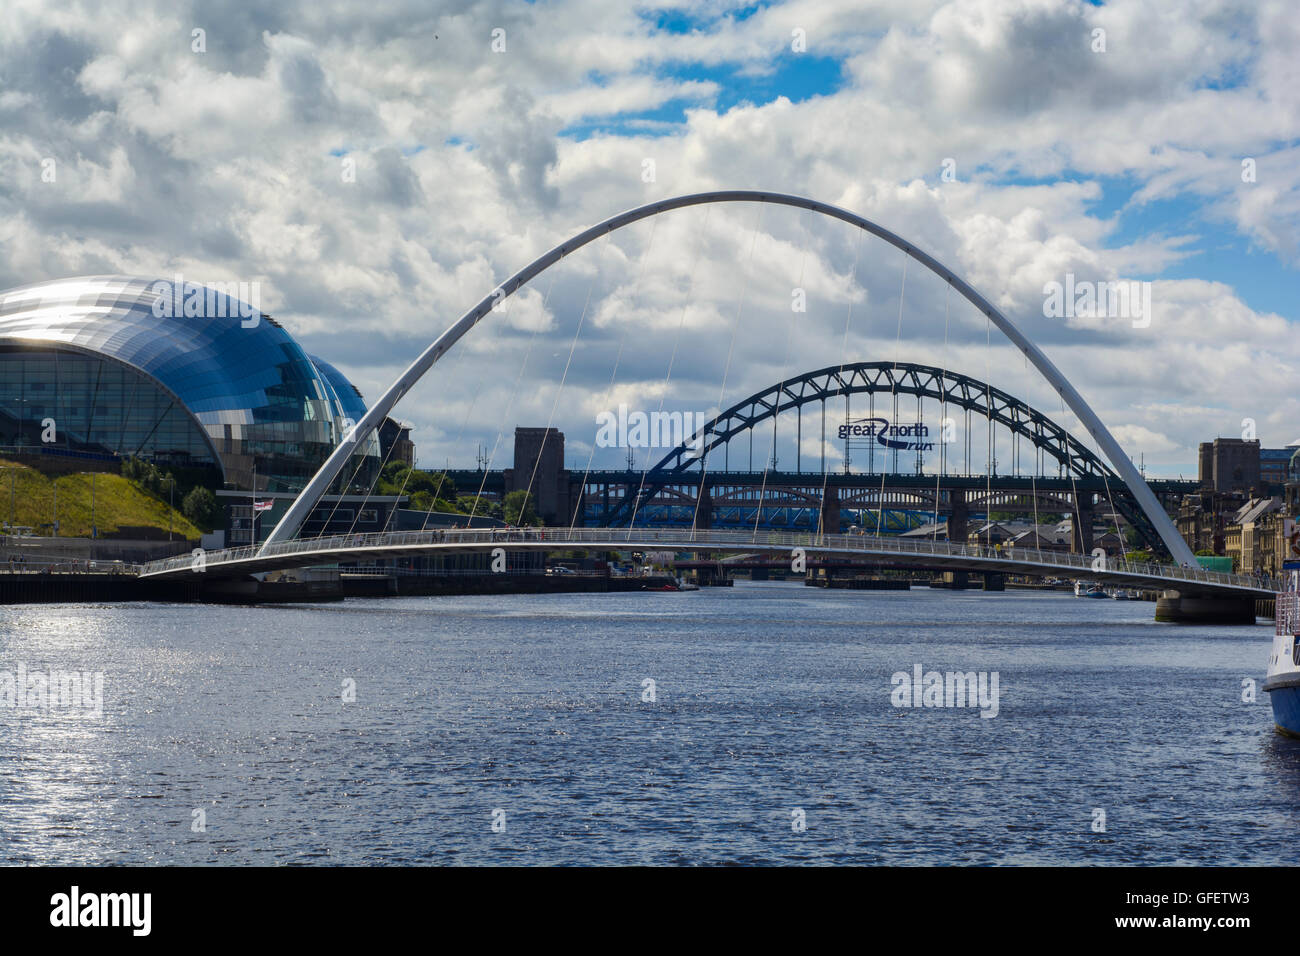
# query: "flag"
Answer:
x=263 y=505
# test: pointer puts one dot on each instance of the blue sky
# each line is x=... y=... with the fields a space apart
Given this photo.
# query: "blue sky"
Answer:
x=1212 y=249
x=797 y=78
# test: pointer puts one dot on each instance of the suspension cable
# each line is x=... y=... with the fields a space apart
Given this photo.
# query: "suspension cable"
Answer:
x=1076 y=520
x=514 y=393
x=943 y=411
x=383 y=464
x=609 y=391
x=844 y=345
x=415 y=461
x=726 y=370
x=361 y=461
x=1113 y=513
x=988 y=452
x=410 y=470
x=555 y=403
x=370 y=488
x=464 y=423
x=893 y=390
x=785 y=368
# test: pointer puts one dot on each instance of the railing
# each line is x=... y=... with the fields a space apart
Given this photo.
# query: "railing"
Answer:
x=369 y=571
x=620 y=539
x=34 y=564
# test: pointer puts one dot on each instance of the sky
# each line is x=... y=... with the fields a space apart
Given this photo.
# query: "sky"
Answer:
x=377 y=169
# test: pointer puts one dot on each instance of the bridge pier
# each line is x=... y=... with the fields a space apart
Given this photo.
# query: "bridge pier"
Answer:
x=704 y=511
x=958 y=516
x=1193 y=608
x=714 y=576
x=831 y=511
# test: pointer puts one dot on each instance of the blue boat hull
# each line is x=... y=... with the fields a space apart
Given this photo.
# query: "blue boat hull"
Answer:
x=1286 y=710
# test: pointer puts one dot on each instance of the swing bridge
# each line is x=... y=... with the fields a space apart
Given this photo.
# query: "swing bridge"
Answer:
x=715 y=495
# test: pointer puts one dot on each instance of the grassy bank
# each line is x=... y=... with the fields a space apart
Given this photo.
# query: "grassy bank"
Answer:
x=118 y=503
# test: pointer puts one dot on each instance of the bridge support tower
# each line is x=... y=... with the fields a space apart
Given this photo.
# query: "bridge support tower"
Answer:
x=958 y=516
x=958 y=529
x=704 y=513
x=831 y=511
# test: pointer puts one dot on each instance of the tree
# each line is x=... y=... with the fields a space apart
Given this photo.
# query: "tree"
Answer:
x=147 y=476
x=517 y=509
x=400 y=478
x=482 y=507
x=201 y=507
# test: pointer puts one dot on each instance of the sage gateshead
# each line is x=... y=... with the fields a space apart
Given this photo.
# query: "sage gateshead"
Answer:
x=106 y=366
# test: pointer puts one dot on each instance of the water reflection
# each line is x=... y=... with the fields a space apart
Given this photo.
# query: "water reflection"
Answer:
x=768 y=698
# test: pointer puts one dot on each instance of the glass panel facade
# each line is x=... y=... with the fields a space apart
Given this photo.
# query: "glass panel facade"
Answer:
x=96 y=405
x=349 y=399
x=266 y=408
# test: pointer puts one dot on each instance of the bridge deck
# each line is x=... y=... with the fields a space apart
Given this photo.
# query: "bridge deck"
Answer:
x=940 y=555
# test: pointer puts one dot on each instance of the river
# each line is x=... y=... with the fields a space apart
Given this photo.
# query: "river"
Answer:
x=525 y=729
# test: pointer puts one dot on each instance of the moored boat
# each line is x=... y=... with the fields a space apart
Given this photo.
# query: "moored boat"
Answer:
x=1282 y=681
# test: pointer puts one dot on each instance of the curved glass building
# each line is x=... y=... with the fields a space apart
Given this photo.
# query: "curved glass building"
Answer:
x=347 y=396
x=181 y=374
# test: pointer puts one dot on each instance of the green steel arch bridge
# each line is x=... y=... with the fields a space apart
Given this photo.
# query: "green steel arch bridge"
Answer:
x=694 y=484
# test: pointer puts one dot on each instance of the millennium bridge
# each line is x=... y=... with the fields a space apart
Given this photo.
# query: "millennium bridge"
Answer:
x=1182 y=581
x=895 y=551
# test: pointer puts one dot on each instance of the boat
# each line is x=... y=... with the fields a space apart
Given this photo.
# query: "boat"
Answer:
x=1122 y=595
x=1282 y=682
x=1082 y=589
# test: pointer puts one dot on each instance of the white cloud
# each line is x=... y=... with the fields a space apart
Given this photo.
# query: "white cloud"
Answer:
x=231 y=164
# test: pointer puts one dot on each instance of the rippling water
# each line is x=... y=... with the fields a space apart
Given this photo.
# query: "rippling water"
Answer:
x=769 y=698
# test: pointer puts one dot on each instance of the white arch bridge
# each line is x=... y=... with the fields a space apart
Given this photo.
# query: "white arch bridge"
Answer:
x=291 y=522
x=281 y=550
x=886 y=550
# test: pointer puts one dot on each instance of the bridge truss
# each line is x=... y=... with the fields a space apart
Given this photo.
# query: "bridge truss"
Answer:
x=659 y=496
